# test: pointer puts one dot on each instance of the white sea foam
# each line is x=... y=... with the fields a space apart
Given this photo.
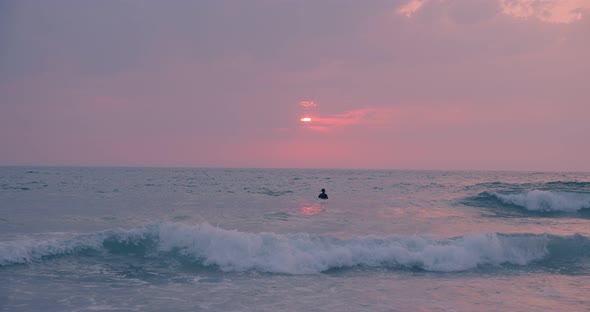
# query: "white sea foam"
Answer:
x=305 y=253
x=537 y=200
x=300 y=253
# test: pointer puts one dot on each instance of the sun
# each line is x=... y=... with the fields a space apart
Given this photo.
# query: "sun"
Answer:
x=306 y=119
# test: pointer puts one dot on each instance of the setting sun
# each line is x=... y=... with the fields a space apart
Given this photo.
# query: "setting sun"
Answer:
x=306 y=119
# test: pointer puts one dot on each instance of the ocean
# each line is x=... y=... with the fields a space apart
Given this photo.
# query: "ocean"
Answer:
x=186 y=239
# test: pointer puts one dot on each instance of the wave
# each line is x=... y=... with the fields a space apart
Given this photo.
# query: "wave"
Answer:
x=301 y=253
x=538 y=200
x=555 y=186
x=546 y=201
x=23 y=251
x=533 y=201
x=569 y=185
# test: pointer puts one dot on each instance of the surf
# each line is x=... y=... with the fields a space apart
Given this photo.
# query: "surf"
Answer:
x=541 y=201
x=300 y=253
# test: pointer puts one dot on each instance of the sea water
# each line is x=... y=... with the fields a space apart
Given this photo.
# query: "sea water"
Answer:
x=148 y=239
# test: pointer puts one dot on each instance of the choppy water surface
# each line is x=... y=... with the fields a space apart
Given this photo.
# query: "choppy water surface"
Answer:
x=141 y=239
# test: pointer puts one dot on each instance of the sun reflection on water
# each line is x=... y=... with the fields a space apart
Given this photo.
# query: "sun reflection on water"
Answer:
x=311 y=209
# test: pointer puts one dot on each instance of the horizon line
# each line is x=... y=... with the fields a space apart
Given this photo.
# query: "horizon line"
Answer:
x=286 y=168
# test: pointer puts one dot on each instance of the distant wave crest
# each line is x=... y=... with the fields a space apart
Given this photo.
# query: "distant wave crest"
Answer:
x=538 y=200
x=557 y=186
x=300 y=253
x=28 y=250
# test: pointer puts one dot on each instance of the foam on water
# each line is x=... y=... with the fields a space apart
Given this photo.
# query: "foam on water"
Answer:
x=539 y=200
x=32 y=249
x=304 y=253
x=299 y=253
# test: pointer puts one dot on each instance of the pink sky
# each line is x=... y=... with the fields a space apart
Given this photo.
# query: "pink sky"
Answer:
x=420 y=84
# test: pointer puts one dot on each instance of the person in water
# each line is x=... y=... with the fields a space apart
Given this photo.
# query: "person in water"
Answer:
x=323 y=195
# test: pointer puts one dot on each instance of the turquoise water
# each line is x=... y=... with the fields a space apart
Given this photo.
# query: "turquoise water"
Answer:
x=148 y=239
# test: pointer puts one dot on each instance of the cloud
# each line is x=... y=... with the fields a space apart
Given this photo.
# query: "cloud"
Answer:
x=365 y=116
x=308 y=104
x=411 y=7
x=431 y=117
x=550 y=11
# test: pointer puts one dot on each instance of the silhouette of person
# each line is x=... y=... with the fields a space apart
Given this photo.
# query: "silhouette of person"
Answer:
x=323 y=195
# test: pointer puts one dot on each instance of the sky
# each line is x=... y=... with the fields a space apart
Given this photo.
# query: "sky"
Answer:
x=396 y=84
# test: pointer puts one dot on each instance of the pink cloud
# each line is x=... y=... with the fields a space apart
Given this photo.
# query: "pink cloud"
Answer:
x=365 y=116
x=411 y=7
x=431 y=117
x=550 y=11
x=308 y=104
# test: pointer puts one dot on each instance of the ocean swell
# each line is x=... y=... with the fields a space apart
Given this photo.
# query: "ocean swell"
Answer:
x=539 y=200
x=300 y=253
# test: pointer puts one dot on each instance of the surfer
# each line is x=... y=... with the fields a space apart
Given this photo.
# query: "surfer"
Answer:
x=323 y=195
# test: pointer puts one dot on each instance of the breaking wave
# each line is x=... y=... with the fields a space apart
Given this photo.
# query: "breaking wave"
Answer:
x=557 y=186
x=538 y=200
x=535 y=201
x=301 y=253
